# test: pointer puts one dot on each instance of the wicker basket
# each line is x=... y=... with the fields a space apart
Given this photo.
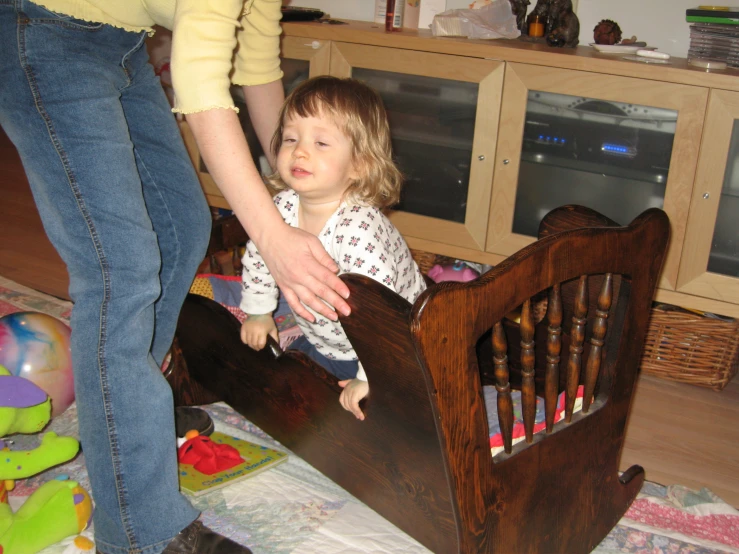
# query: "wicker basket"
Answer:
x=427 y=260
x=691 y=348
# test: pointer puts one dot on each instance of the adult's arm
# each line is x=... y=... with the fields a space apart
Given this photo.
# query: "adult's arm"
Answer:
x=263 y=103
x=301 y=267
x=203 y=41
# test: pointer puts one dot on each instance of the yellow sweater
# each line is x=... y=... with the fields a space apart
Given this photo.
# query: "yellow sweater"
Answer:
x=205 y=35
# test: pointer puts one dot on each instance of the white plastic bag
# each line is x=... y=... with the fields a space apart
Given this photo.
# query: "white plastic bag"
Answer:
x=496 y=20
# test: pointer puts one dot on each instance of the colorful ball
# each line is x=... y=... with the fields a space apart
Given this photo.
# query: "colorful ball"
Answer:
x=35 y=346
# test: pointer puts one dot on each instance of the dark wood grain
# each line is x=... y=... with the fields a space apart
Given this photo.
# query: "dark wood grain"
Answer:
x=528 y=362
x=577 y=339
x=600 y=328
x=422 y=457
x=503 y=386
x=393 y=461
x=562 y=493
x=554 y=348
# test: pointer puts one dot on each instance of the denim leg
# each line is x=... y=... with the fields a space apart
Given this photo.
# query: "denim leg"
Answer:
x=98 y=181
x=175 y=202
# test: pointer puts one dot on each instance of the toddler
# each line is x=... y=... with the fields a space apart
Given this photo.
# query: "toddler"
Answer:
x=335 y=175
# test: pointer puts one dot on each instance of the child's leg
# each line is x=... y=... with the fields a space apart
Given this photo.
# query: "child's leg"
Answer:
x=342 y=369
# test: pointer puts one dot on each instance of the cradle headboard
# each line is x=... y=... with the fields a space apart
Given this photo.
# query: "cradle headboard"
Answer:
x=563 y=486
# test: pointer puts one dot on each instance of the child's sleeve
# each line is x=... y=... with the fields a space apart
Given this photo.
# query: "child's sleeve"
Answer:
x=259 y=292
x=362 y=245
x=361 y=375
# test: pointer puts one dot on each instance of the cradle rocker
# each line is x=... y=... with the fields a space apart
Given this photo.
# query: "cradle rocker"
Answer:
x=422 y=456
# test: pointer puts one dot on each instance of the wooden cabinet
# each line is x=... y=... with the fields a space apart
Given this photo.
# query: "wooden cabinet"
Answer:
x=709 y=267
x=615 y=144
x=464 y=115
x=443 y=113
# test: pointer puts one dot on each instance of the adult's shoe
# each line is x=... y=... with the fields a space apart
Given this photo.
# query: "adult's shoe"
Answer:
x=196 y=538
x=189 y=418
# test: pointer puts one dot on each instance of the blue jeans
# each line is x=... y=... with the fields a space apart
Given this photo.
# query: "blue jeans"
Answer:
x=121 y=203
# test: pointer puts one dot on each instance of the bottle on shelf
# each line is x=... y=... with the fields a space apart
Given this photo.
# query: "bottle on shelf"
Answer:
x=390 y=14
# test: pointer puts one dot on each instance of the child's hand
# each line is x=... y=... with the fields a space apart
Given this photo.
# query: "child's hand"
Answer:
x=354 y=391
x=255 y=329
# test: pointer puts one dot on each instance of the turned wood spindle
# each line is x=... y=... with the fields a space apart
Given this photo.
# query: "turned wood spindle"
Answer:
x=528 y=391
x=503 y=386
x=600 y=326
x=554 y=348
x=577 y=332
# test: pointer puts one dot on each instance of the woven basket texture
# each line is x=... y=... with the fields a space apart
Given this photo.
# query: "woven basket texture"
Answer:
x=427 y=260
x=691 y=348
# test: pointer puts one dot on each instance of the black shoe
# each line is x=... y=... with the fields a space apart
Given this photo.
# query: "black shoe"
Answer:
x=196 y=538
x=188 y=418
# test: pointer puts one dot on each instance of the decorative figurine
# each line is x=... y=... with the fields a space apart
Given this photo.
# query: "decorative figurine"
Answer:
x=565 y=29
x=561 y=26
x=519 y=8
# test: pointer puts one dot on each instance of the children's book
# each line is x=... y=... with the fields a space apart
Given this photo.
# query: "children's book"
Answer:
x=256 y=459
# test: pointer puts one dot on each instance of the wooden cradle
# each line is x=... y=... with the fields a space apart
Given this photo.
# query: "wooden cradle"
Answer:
x=422 y=457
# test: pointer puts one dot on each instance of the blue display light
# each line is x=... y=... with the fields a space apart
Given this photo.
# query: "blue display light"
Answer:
x=618 y=149
x=548 y=139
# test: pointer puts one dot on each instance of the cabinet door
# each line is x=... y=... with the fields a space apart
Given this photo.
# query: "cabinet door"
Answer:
x=301 y=58
x=615 y=144
x=709 y=266
x=443 y=113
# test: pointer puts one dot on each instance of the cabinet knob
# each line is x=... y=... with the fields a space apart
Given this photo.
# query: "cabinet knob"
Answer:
x=315 y=45
x=705 y=196
x=481 y=157
x=506 y=161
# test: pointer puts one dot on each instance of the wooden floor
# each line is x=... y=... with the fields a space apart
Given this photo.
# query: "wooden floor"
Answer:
x=679 y=433
x=26 y=255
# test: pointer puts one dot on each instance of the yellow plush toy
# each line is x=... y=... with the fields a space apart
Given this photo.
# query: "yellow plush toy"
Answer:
x=58 y=509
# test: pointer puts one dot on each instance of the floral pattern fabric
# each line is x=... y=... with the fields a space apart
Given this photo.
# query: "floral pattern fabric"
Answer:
x=360 y=240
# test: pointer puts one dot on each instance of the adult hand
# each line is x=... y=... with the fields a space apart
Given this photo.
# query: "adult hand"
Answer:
x=305 y=273
x=354 y=391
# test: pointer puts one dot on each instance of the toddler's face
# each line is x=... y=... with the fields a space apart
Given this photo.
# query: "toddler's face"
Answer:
x=315 y=158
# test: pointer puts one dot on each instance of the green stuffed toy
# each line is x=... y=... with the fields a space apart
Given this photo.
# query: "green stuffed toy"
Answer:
x=58 y=509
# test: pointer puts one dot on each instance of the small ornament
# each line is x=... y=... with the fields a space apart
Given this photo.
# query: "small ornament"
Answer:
x=607 y=32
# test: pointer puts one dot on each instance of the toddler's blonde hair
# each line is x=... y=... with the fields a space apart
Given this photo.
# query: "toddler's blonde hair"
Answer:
x=357 y=110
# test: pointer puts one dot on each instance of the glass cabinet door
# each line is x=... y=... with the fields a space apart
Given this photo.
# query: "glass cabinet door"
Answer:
x=443 y=113
x=611 y=156
x=615 y=144
x=301 y=58
x=709 y=266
